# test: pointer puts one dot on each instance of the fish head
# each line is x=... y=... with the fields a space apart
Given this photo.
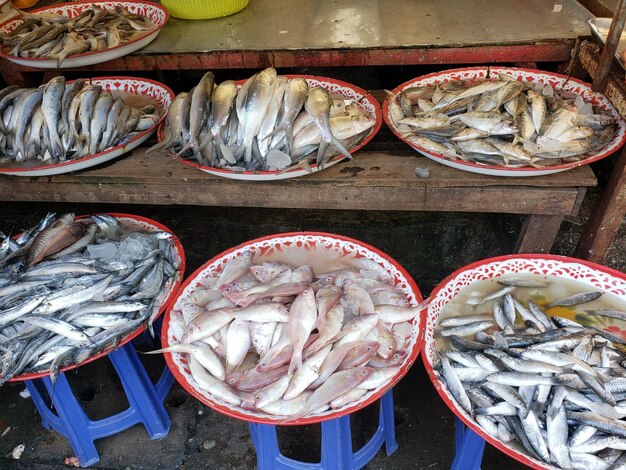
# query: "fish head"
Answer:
x=234 y=378
x=362 y=373
x=318 y=102
x=361 y=123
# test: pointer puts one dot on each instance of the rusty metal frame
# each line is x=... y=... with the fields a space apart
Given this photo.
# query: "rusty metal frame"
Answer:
x=550 y=51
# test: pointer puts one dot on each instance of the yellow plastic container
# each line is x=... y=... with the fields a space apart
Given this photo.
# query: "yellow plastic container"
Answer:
x=203 y=9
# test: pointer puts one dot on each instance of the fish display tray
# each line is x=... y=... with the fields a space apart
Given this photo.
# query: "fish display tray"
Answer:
x=347 y=90
x=594 y=275
x=155 y=12
x=137 y=223
x=271 y=247
x=557 y=81
x=160 y=94
x=600 y=29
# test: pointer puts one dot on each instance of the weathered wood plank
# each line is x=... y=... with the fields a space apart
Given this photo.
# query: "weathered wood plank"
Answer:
x=602 y=227
x=538 y=233
x=380 y=180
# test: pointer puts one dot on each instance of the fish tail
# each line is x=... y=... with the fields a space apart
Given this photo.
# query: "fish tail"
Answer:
x=281 y=128
x=191 y=145
x=321 y=151
x=156 y=147
x=289 y=134
x=256 y=153
x=339 y=146
x=296 y=362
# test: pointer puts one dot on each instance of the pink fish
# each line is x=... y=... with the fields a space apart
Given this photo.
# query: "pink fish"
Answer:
x=336 y=385
x=326 y=297
x=303 y=316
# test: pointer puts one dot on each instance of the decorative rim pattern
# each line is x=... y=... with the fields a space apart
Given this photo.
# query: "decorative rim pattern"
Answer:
x=155 y=12
x=361 y=96
x=556 y=80
x=167 y=295
x=594 y=275
x=159 y=93
x=266 y=246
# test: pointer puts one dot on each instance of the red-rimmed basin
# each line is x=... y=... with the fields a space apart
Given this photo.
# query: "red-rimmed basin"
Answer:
x=594 y=275
x=155 y=12
x=146 y=225
x=272 y=247
x=158 y=93
x=361 y=96
x=557 y=81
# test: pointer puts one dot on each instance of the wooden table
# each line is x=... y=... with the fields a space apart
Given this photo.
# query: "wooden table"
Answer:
x=304 y=33
x=380 y=180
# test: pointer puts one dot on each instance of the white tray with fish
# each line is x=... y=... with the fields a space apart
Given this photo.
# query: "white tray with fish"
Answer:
x=89 y=283
x=517 y=333
x=553 y=123
x=600 y=29
x=256 y=371
x=141 y=103
x=79 y=45
x=354 y=115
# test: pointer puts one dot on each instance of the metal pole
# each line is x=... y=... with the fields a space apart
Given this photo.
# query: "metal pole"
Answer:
x=608 y=53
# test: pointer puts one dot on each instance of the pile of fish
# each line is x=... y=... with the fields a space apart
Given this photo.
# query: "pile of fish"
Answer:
x=552 y=387
x=501 y=122
x=55 y=36
x=71 y=288
x=283 y=340
x=63 y=121
x=270 y=123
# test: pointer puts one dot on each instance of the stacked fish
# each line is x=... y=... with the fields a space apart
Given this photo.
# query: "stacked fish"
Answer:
x=64 y=121
x=70 y=289
x=270 y=123
x=553 y=388
x=283 y=340
x=502 y=122
x=55 y=36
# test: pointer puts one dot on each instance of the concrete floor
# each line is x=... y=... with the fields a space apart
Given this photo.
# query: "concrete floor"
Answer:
x=429 y=245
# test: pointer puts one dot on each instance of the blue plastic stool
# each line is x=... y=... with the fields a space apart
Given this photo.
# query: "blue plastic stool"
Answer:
x=145 y=400
x=469 y=447
x=336 y=443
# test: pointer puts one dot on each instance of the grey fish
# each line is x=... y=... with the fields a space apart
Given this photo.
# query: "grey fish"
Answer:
x=576 y=299
x=318 y=105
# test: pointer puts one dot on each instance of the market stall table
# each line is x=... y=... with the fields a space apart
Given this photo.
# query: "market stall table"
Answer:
x=356 y=33
x=380 y=180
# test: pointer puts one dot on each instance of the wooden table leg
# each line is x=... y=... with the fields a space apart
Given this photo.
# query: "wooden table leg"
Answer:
x=600 y=230
x=538 y=233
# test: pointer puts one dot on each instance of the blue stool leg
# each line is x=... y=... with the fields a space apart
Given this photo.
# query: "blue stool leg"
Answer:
x=266 y=444
x=336 y=444
x=469 y=452
x=140 y=391
x=388 y=422
x=40 y=404
x=74 y=423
